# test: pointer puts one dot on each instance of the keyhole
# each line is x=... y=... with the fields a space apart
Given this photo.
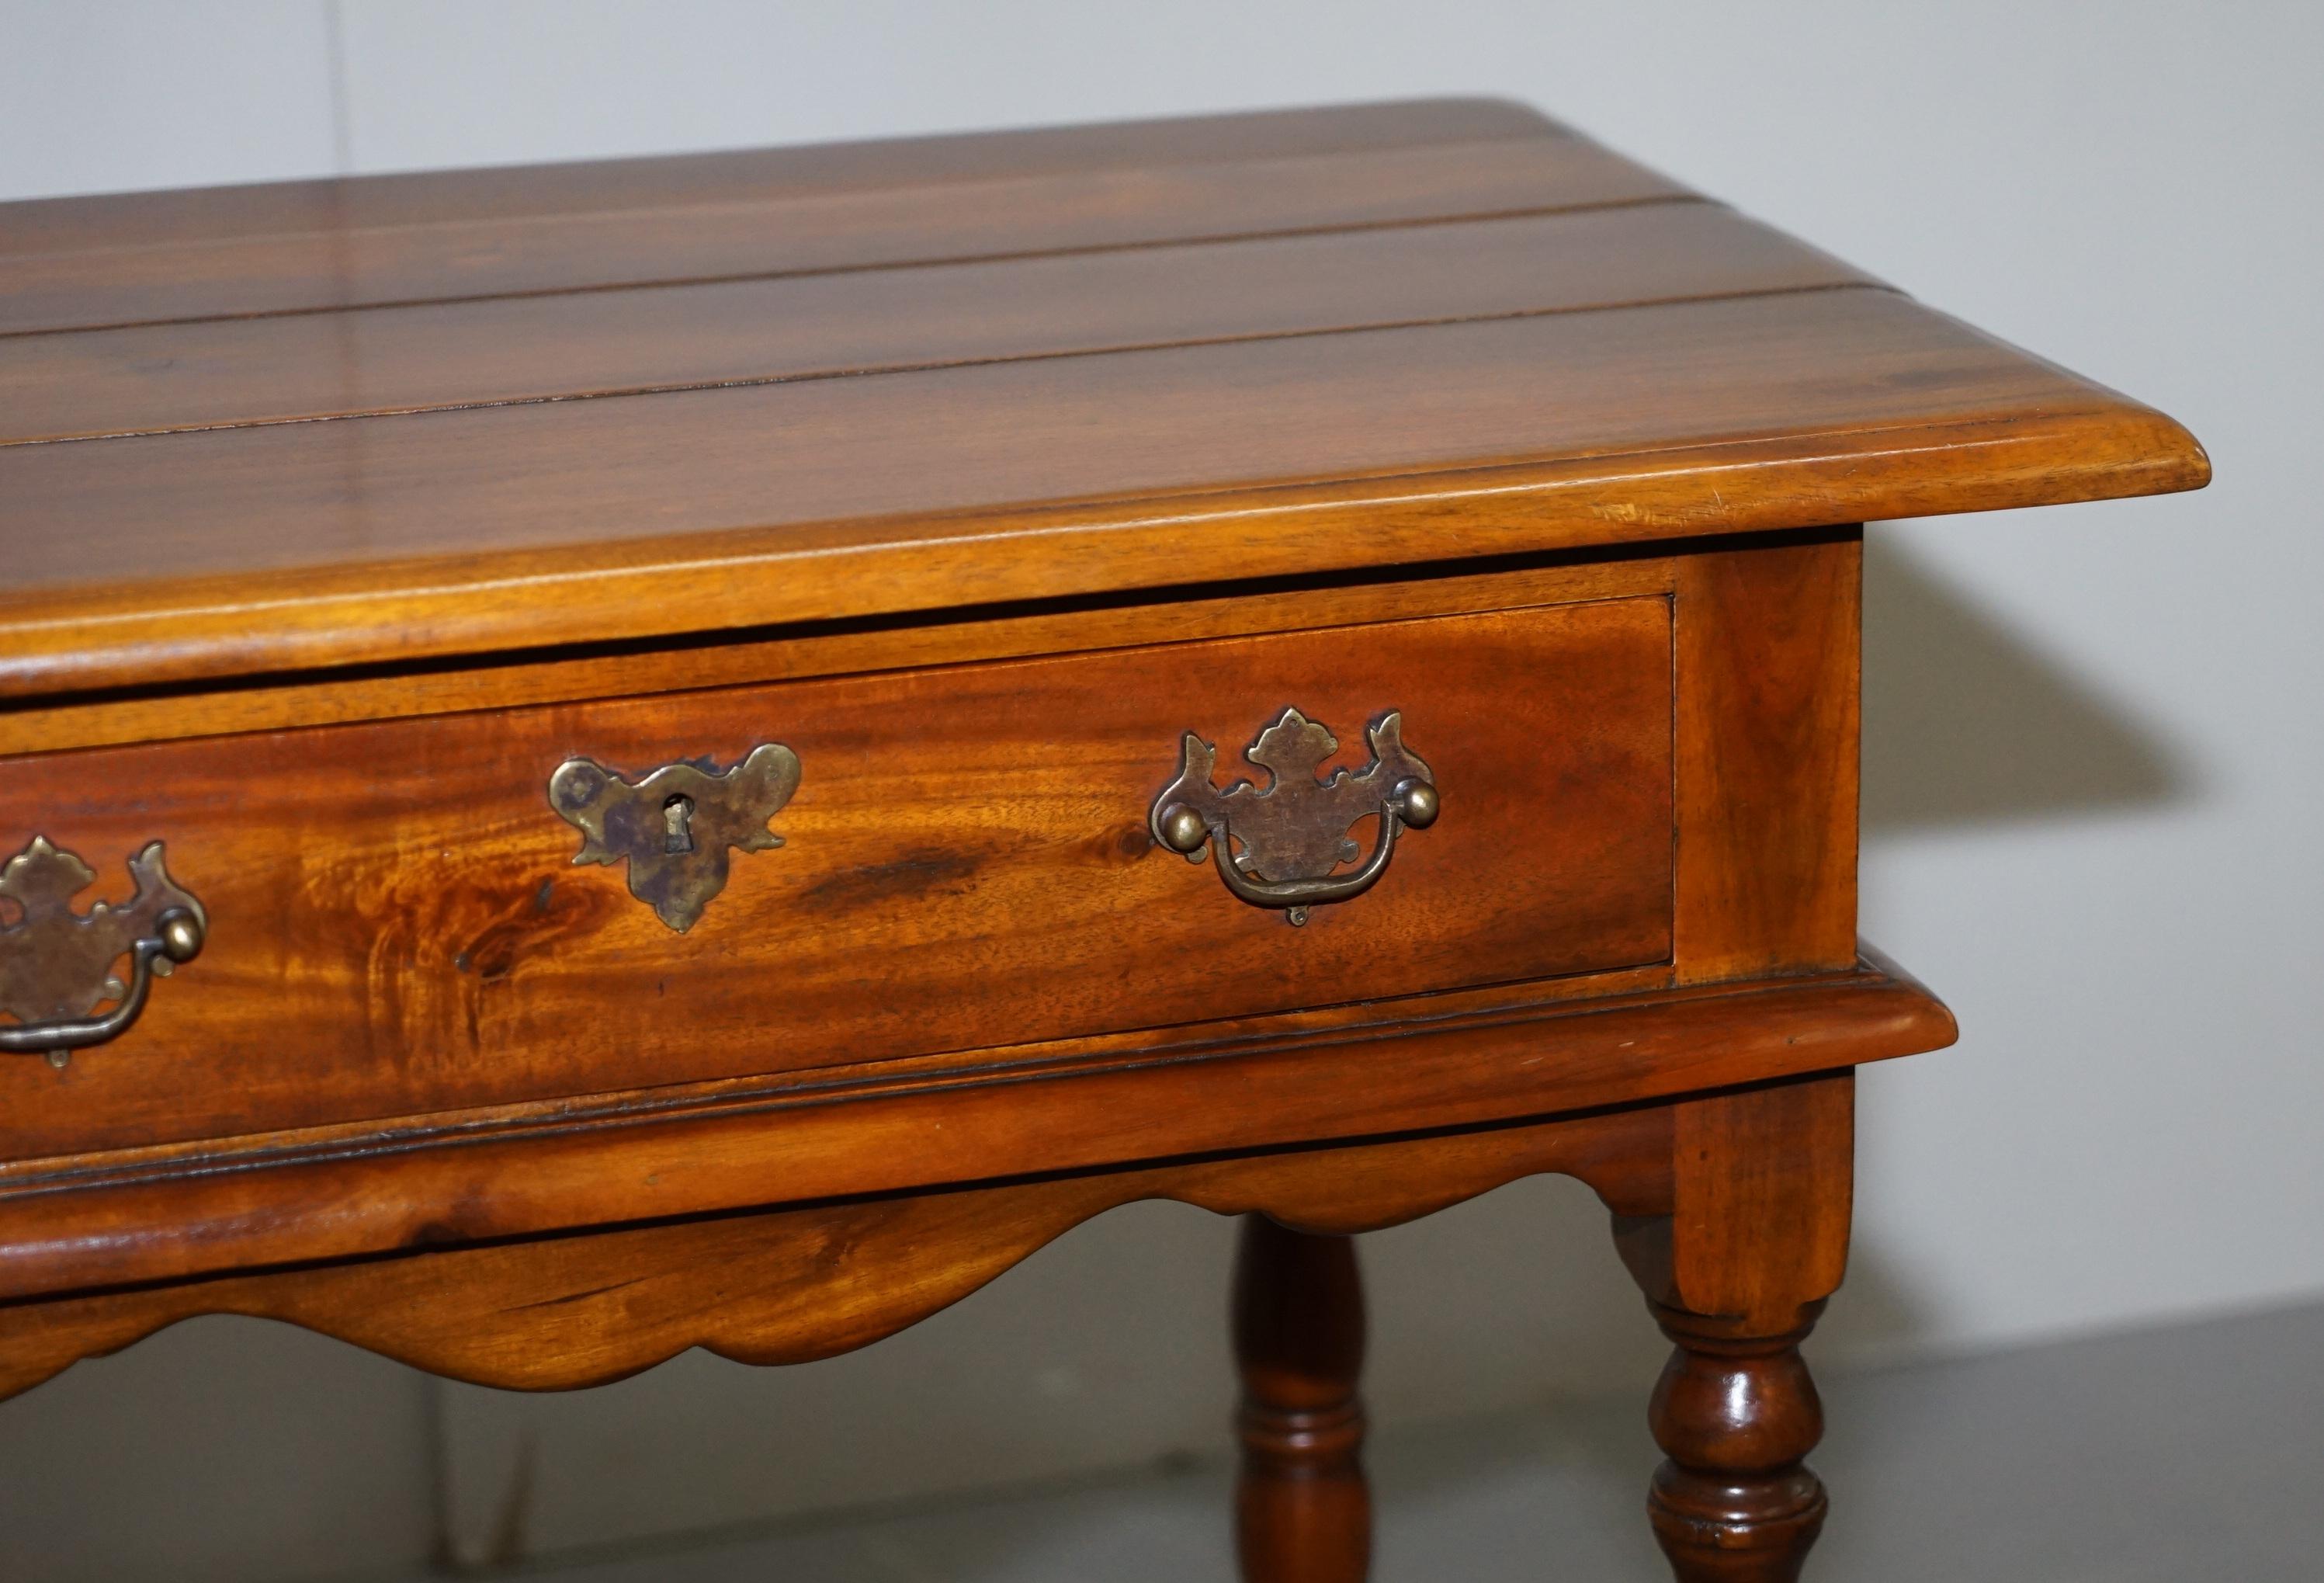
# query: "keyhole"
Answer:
x=677 y=836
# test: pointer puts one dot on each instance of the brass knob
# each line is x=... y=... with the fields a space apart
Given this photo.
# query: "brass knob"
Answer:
x=181 y=934
x=1414 y=802
x=1183 y=830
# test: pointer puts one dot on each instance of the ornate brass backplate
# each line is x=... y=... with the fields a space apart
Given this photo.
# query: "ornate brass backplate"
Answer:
x=674 y=826
x=56 y=965
x=1293 y=834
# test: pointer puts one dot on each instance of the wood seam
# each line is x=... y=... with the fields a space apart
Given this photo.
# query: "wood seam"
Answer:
x=938 y=365
x=1651 y=575
x=815 y=1087
x=1541 y=128
x=1159 y=244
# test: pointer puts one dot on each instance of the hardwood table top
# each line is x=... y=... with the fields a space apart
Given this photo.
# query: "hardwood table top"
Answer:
x=339 y=423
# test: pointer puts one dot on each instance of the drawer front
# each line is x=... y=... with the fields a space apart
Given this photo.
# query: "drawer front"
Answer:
x=397 y=925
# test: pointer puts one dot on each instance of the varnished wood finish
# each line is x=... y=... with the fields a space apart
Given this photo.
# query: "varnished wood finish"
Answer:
x=1767 y=743
x=751 y=233
x=224 y=373
x=1440 y=1061
x=808 y=1282
x=827 y=649
x=1736 y=1272
x=383 y=539
x=1303 y=1512
x=423 y=198
x=335 y=515
x=402 y=929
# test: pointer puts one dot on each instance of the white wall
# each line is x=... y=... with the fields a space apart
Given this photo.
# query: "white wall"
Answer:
x=2092 y=737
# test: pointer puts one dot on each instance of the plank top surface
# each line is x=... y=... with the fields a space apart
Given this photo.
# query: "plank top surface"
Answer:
x=275 y=429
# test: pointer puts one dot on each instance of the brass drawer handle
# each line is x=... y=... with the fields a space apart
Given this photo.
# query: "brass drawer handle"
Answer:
x=56 y=965
x=1294 y=833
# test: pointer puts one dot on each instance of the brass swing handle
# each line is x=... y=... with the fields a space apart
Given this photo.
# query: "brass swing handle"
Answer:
x=56 y=962
x=177 y=939
x=1294 y=833
x=1412 y=803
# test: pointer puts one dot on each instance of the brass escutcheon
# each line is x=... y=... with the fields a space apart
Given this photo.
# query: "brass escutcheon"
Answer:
x=1278 y=848
x=56 y=965
x=674 y=826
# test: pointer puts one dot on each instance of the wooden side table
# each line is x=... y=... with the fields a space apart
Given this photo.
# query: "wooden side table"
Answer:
x=727 y=745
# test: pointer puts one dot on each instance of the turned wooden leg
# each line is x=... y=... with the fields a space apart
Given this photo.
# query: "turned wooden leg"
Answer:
x=1735 y=1274
x=1302 y=1514
x=1735 y=1503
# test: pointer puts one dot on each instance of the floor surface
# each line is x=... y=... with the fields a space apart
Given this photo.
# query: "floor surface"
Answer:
x=2157 y=1458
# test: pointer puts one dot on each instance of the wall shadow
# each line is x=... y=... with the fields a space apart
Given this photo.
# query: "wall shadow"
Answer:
x=1965 y=721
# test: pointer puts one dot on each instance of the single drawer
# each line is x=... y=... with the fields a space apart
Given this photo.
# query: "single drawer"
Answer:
x=397 y=924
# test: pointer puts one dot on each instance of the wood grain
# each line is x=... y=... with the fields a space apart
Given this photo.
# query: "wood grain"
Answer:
x=827 y=649
x=1768 y=683
x=397 y=926
x=390 y=538
x=678 y=181
x=1737 y=1271
x=499 y=256
x=222 y=372
x=1303 y=1512
x=1451 y=1062
x=792 y=1285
